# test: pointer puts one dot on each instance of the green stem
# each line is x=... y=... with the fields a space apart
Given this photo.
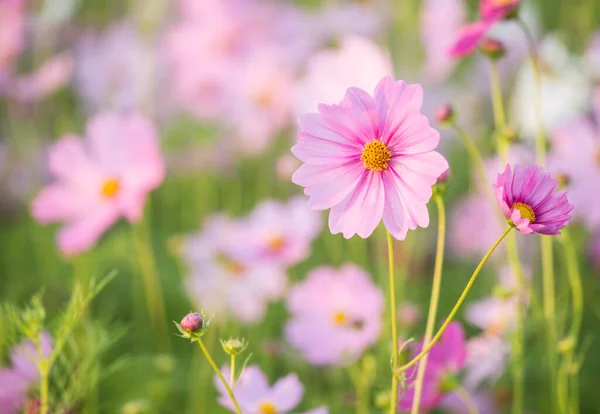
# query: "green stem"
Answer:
x=394 y=395
x=465 y=396
x=433 y=304
x=457 y=306
x=218 y=372
x=476 y=158
x=151 y=281
x=232 y=373
x=44 y=365
x=498 y=107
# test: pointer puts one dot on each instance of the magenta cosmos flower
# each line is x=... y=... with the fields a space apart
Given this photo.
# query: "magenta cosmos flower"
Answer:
x=446 y=358
x=255 y=396
x=472 y=34
x=529 y=200
x=336 y=315
x=100 y=178
x=17 y=380
x=370 y=158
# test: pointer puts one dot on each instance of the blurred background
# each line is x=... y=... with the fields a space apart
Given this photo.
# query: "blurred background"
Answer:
x=221 y=84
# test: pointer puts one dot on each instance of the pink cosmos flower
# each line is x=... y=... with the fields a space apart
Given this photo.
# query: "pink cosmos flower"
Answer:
x=54 y=74
x=255 y=396
x=281 y=232
x=370 y=158
x=12 y=31
x=484 y=401
x=336 y=315
x=487 y=358
x=224 y=276
x=100 y=178
x=472 y=34
x=16 y=381
x=332 y=71
x=528 y=199
x=446 y=358
x=285 y=167
x=440 y=22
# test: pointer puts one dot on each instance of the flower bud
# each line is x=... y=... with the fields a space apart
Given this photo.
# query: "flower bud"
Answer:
x=234 y=346
x=440 y=186
x=445 y=114
x=192 y=322
x=492 y=48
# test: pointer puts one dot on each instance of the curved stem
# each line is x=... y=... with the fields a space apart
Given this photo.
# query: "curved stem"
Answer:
x=433 y=304
x=152 y=289
x=218 y=372
x=465 y=396
x=394 y=395
x=457 y=306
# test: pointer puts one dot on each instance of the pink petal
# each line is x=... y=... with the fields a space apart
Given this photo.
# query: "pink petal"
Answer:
x=67 y=160
x=105 y=138
x=469 y=38
x=360 y=212
x=287 y=393
x=82 y=233
x=58 y=202
x=414 y=136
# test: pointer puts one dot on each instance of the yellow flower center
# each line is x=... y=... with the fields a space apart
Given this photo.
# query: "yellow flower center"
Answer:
x=267 y=408
x=340 y=318
x=499 y=3
x=526 y=211
x=376 y=155
x=110 y=188
x=497 y=326
x=276 y=243
x=265 y=98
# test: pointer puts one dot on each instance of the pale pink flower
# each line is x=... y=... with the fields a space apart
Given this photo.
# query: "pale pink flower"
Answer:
x=484 y=401
x=259 y=99
x=336 y=315
x=370 y=158
x=336 y=20
x=409 y=314
x=116 y=69
x=440 y=23
x=12 y=31
x=255 y=396
x=22 y=375
x=359 y=62
x=285 y=167
x=281 y=232
x=54 y=74
x=105 y=176
x=494 y=315
x=223 y=275
x=487 y=357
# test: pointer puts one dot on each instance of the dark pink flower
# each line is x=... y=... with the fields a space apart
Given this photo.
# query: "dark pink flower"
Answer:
x=100 y=178
x=370 y=158
x=498 y=9
x=529 y=199
x=446 y=358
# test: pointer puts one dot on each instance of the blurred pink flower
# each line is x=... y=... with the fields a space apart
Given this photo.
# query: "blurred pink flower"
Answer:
x=281 y=232
x=54 y=74
x=259 y=99
x=335 y=20
x=16 y=381
x=116 y=69
x=494 y=315
x=440 y=22
x=592 y=56
x=223 y=275
x=498 y=9
x=484 y=401
x=332 y=71
x=255 y=396
x=335 y=315
x=487 y=358
x=409 y=314
x=528 y=198
x=446 y=358
x=285 y=167
x=370 y=158
x=12 y=31
x=575 y=160
x=100 y=178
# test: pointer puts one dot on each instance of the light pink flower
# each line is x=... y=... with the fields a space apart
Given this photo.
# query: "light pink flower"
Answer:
x=332 y=71
x=336 y=315
x=223 y=275
x=255 y=396
x=528 y=198
x=116 y=69
x=23 y=374
x=440 y=23
x=484 y=401
x=286 y=165
x=336 y=20
x=12 y=31
x=105 y=176
x=370 y=158
x=498 y=9
x=54 y=74
x=281 y=232
x=487 y=358
x=494 y=315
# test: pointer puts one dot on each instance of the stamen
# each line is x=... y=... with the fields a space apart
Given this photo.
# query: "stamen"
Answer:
x=376 y=155
x=267 y=408
x=110 y=188
x=525 y=210
x=340 y=318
